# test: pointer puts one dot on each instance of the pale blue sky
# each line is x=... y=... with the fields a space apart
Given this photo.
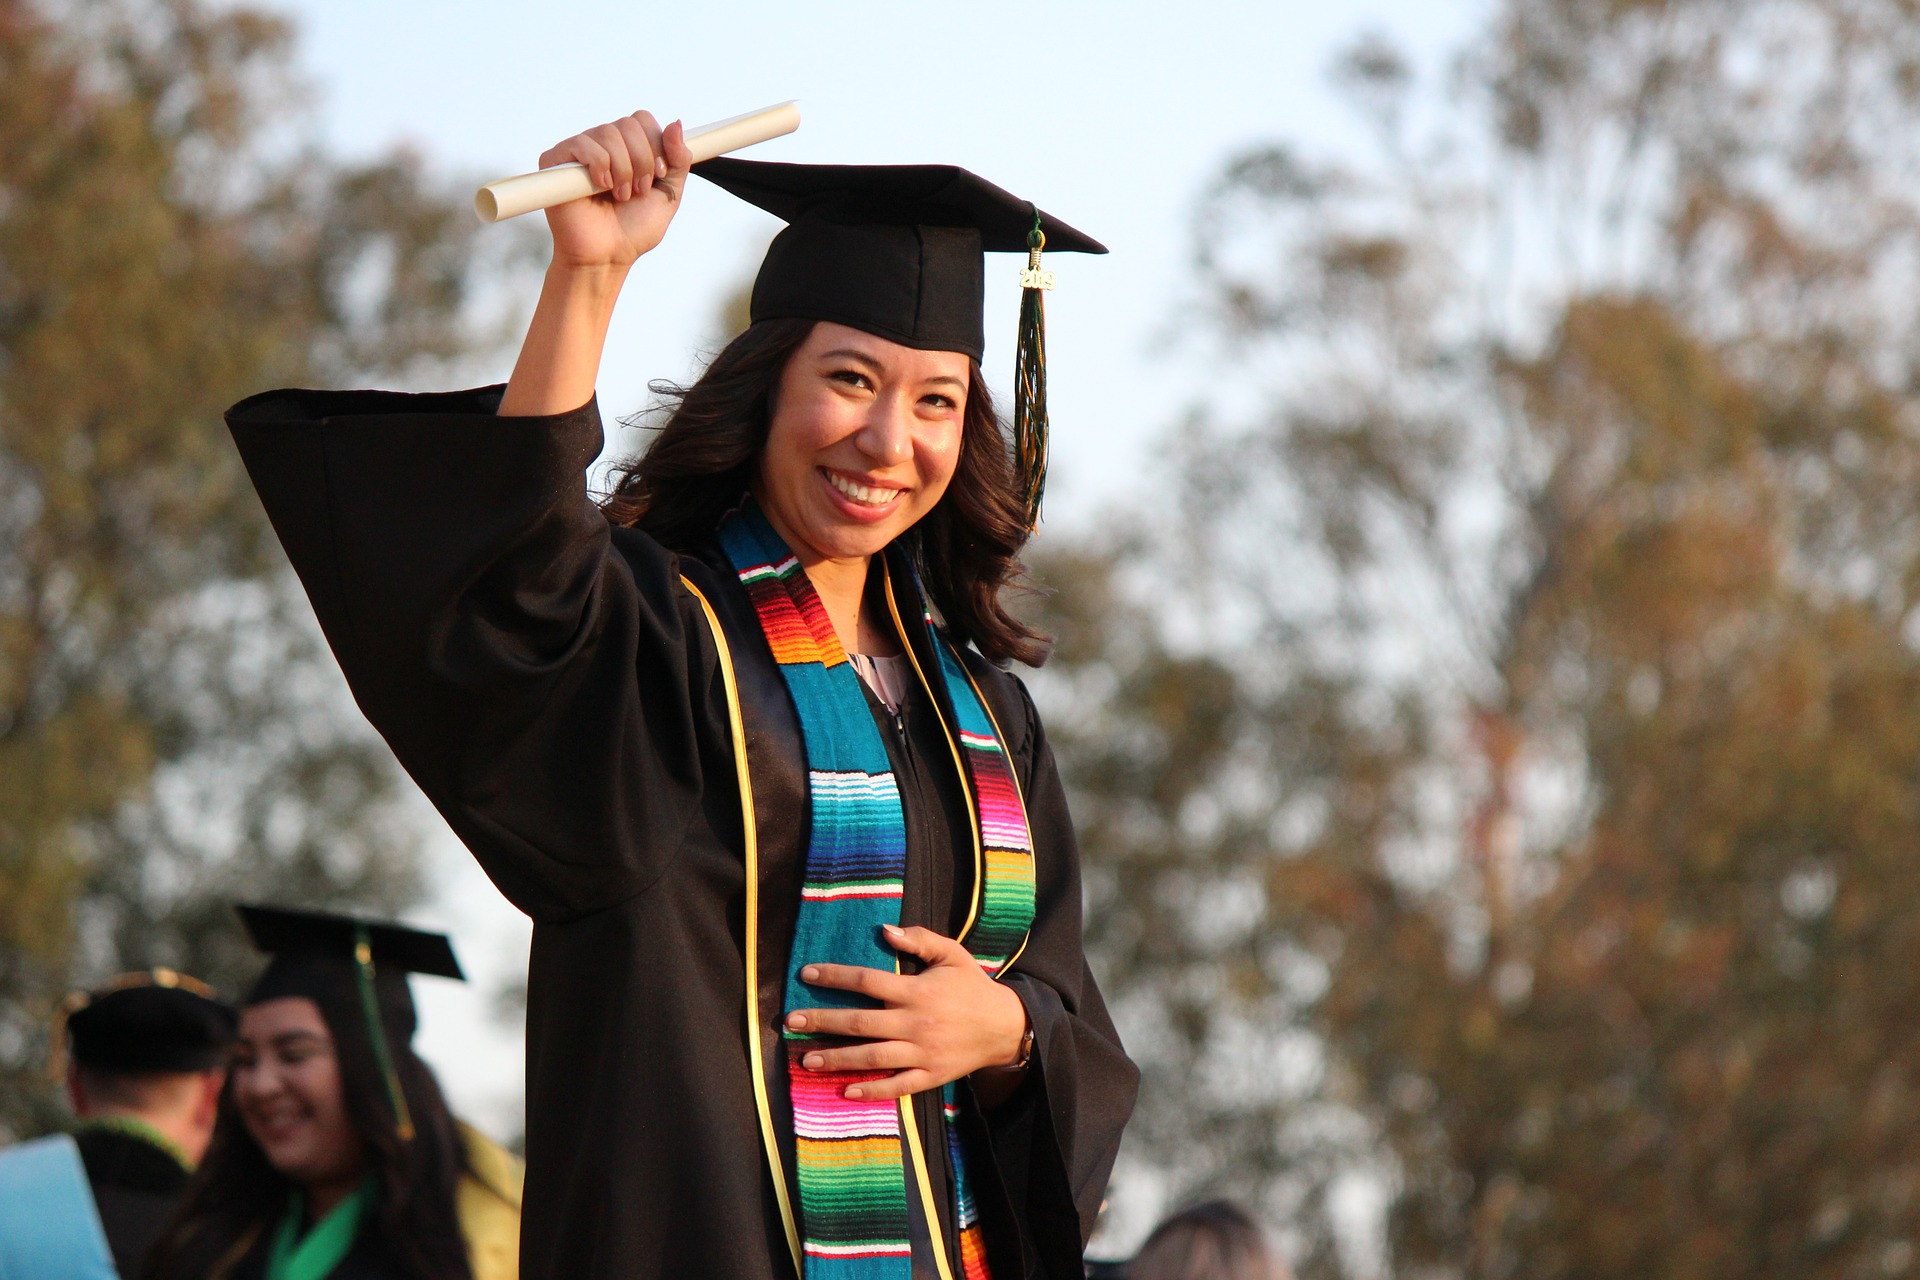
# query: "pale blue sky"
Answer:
x=1113 y=116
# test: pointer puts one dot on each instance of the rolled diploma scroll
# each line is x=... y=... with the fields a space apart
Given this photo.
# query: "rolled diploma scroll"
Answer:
x=511 y=197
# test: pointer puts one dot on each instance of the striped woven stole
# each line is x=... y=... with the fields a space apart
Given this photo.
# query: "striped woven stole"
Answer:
x=850 y=1155
x=995 y=936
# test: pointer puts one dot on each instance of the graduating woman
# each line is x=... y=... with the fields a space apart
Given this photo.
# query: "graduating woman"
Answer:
x=807 y=993
x=334 y=1156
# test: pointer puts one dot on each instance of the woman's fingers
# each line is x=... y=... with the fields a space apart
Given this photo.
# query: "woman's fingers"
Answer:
x=881 y=1055
x=897 y=1085
x=883 y=986
x=623 y=157
x=925 y=944
x=641 y=150
x=676 y=160
x=860 y=1024
x=582 y=149
x=650 y=130
x=619 y=160
x=673 y=142
x=628 y=157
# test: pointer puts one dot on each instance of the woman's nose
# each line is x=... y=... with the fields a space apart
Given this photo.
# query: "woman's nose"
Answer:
x=887 y=437
x=254 y=1081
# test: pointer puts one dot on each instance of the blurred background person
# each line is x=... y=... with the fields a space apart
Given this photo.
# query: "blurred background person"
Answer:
x=145 y=1060
x=1217 y=1240
x=335 y=1156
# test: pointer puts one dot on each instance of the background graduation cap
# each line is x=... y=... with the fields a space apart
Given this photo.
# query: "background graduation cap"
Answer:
x=896 y=250
x=315 y=952
x=150 y=1022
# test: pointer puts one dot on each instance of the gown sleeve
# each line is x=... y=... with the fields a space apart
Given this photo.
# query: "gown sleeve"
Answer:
x=1055 y=1138
x=491 y=629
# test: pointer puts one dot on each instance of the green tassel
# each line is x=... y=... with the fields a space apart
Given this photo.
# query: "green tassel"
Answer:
x=1030 y=380
x=370 y=1002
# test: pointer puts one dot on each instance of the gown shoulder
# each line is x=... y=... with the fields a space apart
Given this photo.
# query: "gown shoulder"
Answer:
x=544 y=681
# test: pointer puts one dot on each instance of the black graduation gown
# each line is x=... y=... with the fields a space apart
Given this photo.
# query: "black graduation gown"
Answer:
x=556 y=688
x=136 y=1187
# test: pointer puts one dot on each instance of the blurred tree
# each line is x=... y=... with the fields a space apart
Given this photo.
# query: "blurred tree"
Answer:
x=171 y=730
x=1180 y=768
x=1534 y=717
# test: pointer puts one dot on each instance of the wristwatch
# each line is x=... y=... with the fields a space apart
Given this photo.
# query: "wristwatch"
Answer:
x=1026 y=1053
x=1026 y=1050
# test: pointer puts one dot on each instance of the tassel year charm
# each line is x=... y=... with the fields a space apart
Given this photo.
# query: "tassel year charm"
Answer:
x=1030 y=379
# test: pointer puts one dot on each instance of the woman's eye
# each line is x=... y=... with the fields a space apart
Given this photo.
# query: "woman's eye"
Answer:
x=940 y=402
x=852 y=377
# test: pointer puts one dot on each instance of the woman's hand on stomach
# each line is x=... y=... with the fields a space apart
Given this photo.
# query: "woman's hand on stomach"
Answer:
x=947 y=1021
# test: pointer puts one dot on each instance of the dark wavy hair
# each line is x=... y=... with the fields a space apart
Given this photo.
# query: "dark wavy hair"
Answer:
x=707 y=454
x=1217 y=1240
x=236 y=1197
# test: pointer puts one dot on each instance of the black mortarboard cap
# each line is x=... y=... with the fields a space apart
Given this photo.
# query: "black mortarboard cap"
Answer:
x=152 y=1022
x=396 y=948
x=317 y=953
x=894 y=250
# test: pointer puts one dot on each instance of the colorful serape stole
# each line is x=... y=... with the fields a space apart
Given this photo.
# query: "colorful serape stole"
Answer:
x=1006 y=847
x=850 y=1159
x=1006 y=902
x=853 y=1191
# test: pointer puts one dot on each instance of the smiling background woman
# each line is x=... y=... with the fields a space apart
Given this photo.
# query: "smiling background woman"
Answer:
x=807 y=990
x=334 y=1156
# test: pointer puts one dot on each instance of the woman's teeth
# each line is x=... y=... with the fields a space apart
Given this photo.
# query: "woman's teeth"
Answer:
x=860 y=493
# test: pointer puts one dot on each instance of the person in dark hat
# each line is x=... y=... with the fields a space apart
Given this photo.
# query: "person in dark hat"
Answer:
x=335 y=1156
x=144 y=1056
x=808 y=994
x=148 y=1057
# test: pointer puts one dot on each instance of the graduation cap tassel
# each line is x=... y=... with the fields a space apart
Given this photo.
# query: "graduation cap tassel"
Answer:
x=1030 y=379
x=383 y=1056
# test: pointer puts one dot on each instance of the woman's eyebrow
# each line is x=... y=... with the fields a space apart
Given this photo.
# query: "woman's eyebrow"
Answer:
x=290 y=1037
x=848 y=353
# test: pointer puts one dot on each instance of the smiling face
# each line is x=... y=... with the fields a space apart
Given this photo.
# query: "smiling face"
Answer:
x=864 y=439
x=288 y=1088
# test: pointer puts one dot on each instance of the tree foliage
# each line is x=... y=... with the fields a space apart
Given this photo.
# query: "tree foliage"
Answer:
x=171 y=734
x=1527 y=830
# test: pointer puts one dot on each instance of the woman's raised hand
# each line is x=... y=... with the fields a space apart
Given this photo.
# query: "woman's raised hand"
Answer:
x=595 y=240
x=643 y=169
